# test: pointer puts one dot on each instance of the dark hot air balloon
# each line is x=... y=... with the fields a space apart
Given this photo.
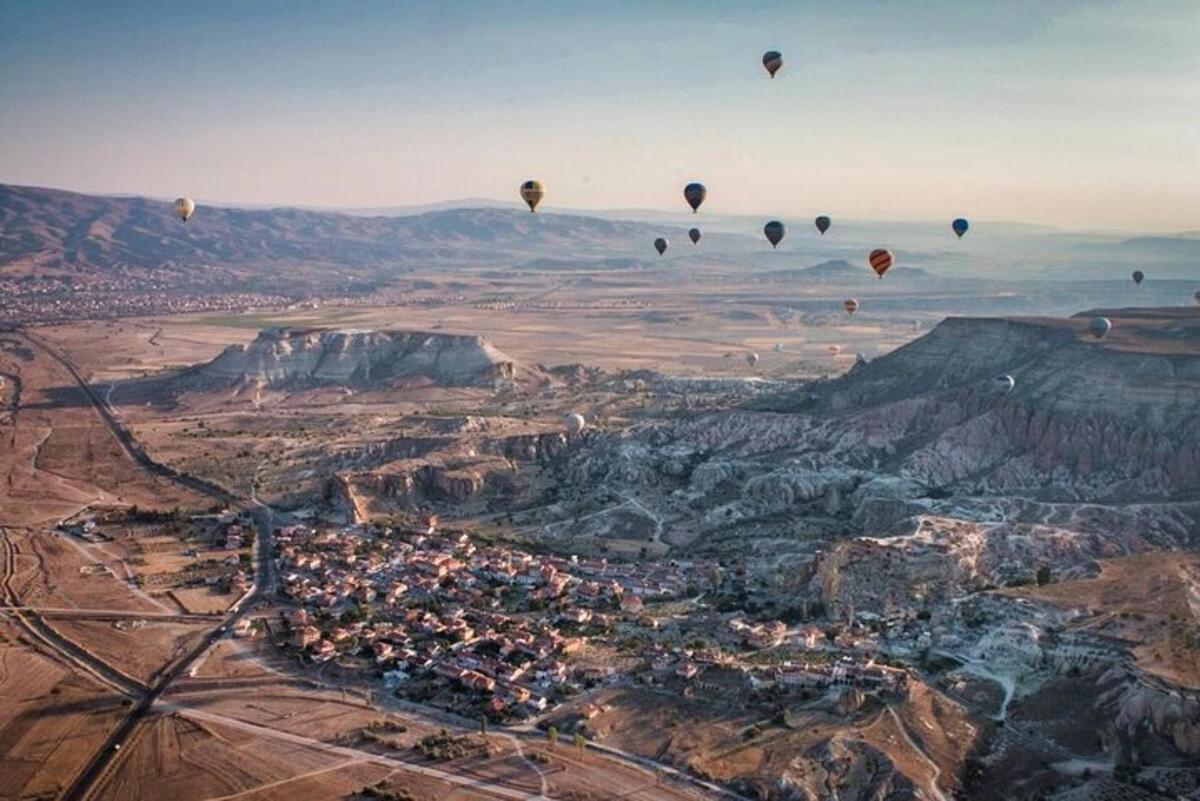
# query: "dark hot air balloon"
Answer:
x=660 y=245
x=532 y=193
x=1004 y=384
x=694 y=235
x=822 y=224
x=960 y=227
x=772 y=60
x=851 y=305
x=1099 y=327
x=694 y=193
x=774 y=231
x=1138 y=276
x=880 y=260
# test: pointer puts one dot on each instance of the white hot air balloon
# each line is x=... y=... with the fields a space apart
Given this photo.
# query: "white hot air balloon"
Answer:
x=1004 y=384
x=574 y=422
x=184 y=208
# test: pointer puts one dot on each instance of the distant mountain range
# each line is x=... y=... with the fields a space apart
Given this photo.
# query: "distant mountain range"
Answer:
x=52 y=232
x=84 y=239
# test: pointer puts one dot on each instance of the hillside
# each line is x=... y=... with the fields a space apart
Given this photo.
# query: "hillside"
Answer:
x=46 y=232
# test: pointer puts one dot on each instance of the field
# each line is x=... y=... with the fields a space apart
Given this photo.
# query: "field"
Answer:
x=51 y=719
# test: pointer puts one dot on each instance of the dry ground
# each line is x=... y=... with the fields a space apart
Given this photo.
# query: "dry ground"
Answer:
x=1152 y=600
x=52 y=720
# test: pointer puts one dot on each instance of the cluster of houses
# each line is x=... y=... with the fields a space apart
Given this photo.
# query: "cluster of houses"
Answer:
x=493 y=621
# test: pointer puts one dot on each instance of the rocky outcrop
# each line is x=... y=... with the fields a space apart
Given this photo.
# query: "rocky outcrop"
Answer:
x=297 y=358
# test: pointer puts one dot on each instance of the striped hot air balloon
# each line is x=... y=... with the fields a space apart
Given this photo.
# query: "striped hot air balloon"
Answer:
x=880 y=260
x=532 y=193
x=184 y=208
x=851 y=305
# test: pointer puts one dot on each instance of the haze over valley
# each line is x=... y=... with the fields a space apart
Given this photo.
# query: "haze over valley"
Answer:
x=766 y=421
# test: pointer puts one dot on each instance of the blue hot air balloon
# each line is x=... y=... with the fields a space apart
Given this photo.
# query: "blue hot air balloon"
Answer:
x=960 y=226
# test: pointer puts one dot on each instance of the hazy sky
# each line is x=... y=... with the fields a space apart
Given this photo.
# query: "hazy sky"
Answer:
x=1083 y=115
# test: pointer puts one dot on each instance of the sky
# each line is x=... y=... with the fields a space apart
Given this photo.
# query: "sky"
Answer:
x=1082 y=115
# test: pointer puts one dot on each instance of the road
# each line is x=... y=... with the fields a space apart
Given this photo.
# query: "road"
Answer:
x=88 y=779
x=937 y=772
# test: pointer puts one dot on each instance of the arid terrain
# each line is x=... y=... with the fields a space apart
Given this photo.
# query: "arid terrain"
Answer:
x=358 y=547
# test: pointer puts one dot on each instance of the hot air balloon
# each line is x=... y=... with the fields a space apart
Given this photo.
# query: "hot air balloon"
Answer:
x=779 y=347
x=694 y=235
x=833 y=350
x=660 y=245
x=574 y=422
x=532 y=193
x=185 y=207
x=822 y=224
x=880 y=260
x=1138 y=276
x=1197 y=296
x=694 y=193
x=860 y=358
x=774 y=232
x=752 y=358
x=772 y=60
x=960 y=227
x=1004 y=384
x=851 y=305
x=1099 y=327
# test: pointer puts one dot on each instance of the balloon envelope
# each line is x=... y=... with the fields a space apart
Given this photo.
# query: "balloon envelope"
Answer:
x=880 y=261
x=1099 y=327
x=851 y=305
x=1138 y=276
x=772 y=61
x=185 y=207
x=774 y=232
x=1004 y=383
x=833 y=350
x=694 y=193
x=532 y=193
x=960 y=226
x=660 y=245
x=574 y=422
x=694 y=235
x=752 y=358
x=822 y=223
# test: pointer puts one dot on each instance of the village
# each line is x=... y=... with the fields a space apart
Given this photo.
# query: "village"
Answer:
x=487 y=629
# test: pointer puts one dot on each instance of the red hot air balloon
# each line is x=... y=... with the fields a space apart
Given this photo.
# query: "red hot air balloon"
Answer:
x=880 y=260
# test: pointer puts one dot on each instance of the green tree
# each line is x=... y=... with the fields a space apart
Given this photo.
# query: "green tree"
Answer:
x=579 y=741
x=1043 y=575
x=552 y=735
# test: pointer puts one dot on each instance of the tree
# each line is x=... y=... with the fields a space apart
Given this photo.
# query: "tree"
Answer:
x=483 y=724
x=1043 y=575
x=552 y=735
x=579 y=742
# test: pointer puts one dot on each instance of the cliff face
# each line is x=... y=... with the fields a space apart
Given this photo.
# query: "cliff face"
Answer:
x=282 y=357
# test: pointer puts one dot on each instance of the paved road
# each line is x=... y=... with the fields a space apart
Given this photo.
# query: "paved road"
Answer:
x=88 y=779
